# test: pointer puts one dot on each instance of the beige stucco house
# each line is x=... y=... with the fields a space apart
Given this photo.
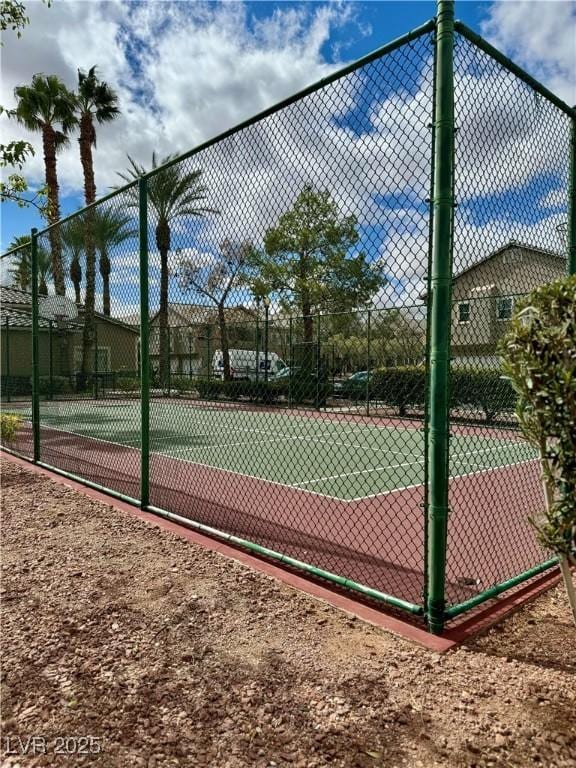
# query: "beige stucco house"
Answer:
x=117 y=342
x=484 y=294
x=194 y=334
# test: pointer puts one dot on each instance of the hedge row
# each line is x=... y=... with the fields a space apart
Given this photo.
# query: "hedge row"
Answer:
x=476 y=389
x=298 y=389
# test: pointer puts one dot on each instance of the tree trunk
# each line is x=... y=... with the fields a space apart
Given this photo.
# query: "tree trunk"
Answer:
x=163 y=245
x=105 y=272
x=76 y=277
x=49 y=147
x=89 y=327
x=42 y=287
x=89 y=330
x=224 y=342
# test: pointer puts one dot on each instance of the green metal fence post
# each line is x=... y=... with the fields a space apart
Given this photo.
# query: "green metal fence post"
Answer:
x=440 y=316
x=208 y=351
x=290 y=362
x=50 y=360
x=318 y=361
x=144 y=348
x=368 y=337
x=95 y=366
x=7 y=348
x=266 y=335
x=35 y=354
x=571 y=229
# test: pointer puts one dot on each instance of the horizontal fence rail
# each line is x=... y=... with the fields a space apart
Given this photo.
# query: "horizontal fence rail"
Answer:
x=288 y=337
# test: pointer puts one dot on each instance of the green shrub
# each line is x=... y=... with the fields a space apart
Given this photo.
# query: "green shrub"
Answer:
x=399 y=387
x=209 y=389
x=9 y=425
x=127 y=385
x=59 y=385
x=16 y=385
x=476 y=389
x=540 y=359
x=482 y=389
x=184 y=384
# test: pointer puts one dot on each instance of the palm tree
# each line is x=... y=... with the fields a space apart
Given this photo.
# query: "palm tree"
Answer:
x=22 y=267
x=173 y=192
x=47 y=106
x=74 y=239
x=96 y=102
x=111 y=228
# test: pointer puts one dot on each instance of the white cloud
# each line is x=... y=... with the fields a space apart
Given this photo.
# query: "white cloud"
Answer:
x=541 y=37
x=184 y=71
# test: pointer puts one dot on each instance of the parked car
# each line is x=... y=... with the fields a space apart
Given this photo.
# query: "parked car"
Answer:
x=354 y=387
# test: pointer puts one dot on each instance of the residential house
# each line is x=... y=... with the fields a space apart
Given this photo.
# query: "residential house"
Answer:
x=60 y=345
x=194 y=335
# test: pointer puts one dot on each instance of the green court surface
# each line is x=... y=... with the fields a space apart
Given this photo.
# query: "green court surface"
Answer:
x=330 y=456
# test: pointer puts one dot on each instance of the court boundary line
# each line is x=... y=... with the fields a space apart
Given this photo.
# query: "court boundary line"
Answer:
x=287 y=485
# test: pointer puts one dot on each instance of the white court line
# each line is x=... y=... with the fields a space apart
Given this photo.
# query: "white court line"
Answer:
x=451 y=477
x=297 y=487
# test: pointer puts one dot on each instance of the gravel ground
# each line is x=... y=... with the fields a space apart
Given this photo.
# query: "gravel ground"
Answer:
x=169 y=655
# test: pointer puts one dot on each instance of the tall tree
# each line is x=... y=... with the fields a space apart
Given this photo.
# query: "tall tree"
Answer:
x=213 y=278
x=47 y=106
x=111 y=228
x=74 y=239
x=96 y=102
x=306 y=259
x=173 y=193
x=21 y=268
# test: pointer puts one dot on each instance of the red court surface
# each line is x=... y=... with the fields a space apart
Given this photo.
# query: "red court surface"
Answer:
x=377 y=541
x=456 y=633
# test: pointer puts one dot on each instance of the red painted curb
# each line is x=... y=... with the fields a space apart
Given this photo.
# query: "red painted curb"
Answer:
x=479 y=621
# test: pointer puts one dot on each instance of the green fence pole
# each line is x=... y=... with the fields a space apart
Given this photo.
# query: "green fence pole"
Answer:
x=144 y=348
x=35 y=354
x=208 y=351
x=257 y=344
x=50 y=360
x=440 y=316
x=290 y=363
x=266 y=335
x=571 y=229
x=318 y=361
x=169 y=371
x=368 y=339
x=7 y=369
x=95 y=366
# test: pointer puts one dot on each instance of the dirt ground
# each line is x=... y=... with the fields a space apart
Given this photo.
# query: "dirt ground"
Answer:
x=124 y=645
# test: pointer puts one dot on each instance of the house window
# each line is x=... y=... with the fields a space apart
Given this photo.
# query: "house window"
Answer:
x=504 y=307
x=463 y=311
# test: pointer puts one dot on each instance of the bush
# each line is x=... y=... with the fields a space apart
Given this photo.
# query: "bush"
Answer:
x=540 y=359
x=184 y=384
x=16 y=385
x=399 y=387
x=127 y=385
x=59 y=385
x=9 y=424
x=482 y=388
x=478 y=389
x=209 y=389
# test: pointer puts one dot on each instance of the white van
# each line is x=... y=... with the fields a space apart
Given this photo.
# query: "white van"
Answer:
x=243 y=364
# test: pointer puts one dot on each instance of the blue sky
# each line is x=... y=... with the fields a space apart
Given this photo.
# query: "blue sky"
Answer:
x=187 y=71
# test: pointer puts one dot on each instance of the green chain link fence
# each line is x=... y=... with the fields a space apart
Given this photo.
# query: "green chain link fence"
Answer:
x=288 y=337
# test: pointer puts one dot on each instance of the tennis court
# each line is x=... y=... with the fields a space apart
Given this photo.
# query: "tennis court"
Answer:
x=336 y=458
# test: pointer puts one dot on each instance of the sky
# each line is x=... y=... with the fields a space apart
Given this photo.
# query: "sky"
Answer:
x=187 y=71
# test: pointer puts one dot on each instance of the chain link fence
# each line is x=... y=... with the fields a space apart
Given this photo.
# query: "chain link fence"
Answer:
x=245 y=339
